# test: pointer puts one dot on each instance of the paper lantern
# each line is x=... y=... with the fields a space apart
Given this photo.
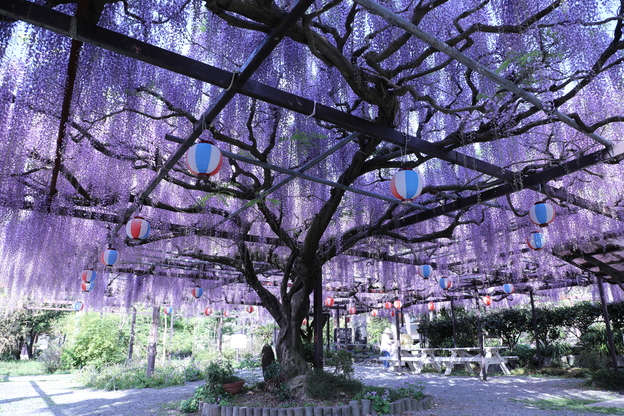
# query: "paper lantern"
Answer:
x=86 y=287
x=388 y=305
x=508 y=288
x=304 y=322
x=249 y=308
x=109 y=257
x=487 y=301
x=536 y=240
x=392 y=312
x=204 y=159
x=425 y=271
x=398 y=304
x=542 y=214
x=207 y=311
x=445 y=283
x=352 y=310
x=406 y=185
x=168 y=310
x=88 y=275
x=374 y=312
x=137 y=228
x=197 y=292
x=78 y=306
x=347 y=319
x=226 y=313
x=329 y=301
x=431 y=306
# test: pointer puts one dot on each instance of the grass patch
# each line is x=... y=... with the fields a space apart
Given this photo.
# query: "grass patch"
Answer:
x=21 y=368
x=576 y=405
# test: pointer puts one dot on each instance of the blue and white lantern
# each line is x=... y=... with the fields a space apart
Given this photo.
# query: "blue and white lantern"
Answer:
x=536 y=240
x=509 y=288
x=406 y=185
x=109 y=257
x=542 y=214
x=137 y=228
x=197 y=292
x=88 y=275
x=204 y=159
x=445 y=283
x=425 y=271
x=78 y=306
x=87 y=287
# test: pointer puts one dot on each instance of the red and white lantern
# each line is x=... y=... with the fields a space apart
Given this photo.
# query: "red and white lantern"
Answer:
x=88 y=275
x=226 y=313
x=204 y=159
x=304 y=322
x=208 y=311
x=329 y=301
x=249 y=308
x=197 y=292
x=398 y=304
x=392 y=312
x=487 y=300
x=431 y=306
x=374 y=312
x=109 y=257
x=352 y=310
x=406 y=185
x=86 y=287
x=388 y=305
x=137 y=228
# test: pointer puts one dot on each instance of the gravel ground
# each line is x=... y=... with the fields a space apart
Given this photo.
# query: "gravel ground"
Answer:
x=60 y=395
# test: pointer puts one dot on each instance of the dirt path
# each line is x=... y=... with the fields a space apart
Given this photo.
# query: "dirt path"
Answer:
x=60 y=395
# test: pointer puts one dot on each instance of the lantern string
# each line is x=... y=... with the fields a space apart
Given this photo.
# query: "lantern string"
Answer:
x=313 y=110
x=232 y=82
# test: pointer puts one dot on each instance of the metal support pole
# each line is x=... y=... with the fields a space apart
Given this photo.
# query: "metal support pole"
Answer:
x=483 y=372
x=535 y=332
x=453 y=322
x=318 y=323
x=605 y=315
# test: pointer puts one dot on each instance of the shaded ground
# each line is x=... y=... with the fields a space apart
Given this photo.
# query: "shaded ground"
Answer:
x=60 y=395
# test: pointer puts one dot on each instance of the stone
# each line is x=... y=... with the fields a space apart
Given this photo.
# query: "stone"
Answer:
x=318 y=411
x=298 y=411
x=366 y=407
x=309 y=411
x=355 y=408
x=257 y=411
x=335 y=411
x=268 y=358
x=346 y=410
x=298 y=387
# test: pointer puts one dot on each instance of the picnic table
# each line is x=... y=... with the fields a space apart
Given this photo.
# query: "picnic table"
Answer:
x=417 y=358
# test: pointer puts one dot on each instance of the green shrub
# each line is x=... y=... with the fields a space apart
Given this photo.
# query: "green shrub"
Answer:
x=524 y=353
x=99 y=342
x=323 y=385
x=341 y=360
x=50 y=358
x=606 y=378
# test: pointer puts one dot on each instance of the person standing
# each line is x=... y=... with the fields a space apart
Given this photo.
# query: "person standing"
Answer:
x=387 y=346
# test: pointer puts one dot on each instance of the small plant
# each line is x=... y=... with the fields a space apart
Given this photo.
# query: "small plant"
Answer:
x=379 y=401
x=341 y=360
x=412 y=390
x=50 y=358
x=324 y=385
x=284 y=393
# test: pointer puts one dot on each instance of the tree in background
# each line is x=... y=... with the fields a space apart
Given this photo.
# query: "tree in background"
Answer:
x=23 y=327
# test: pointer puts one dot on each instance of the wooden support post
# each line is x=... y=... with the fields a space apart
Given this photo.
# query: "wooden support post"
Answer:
x=151 y=349
x=483 y=372
x=220 y=336
x=346 y=329
x=453 y=323
x=605 y=315
x=397 y=324
x=164 y=346
x=318 y=323
x=535 y=331
x=132 y=325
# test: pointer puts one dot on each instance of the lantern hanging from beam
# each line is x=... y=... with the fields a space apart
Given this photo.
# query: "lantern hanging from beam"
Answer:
x=487 y=300
x=352 y=310
x=78 y=306
x=204 y=159
x=431 y=306
x=197 y=292
x=109 y=257
x=137 y=228
x=388 y=305
x=208 y=311
x=536 y=240
x=168 y=310
x=445 y=283
x=406 y=185
x=329 y=301
x=226 y=313
x=509 y=288
x=398 y=304
x=86 y=286
x=425 y=271
x=88 y=275
x=392 y=313
x=542 y=214
x=249 y=308
x=374 y=312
